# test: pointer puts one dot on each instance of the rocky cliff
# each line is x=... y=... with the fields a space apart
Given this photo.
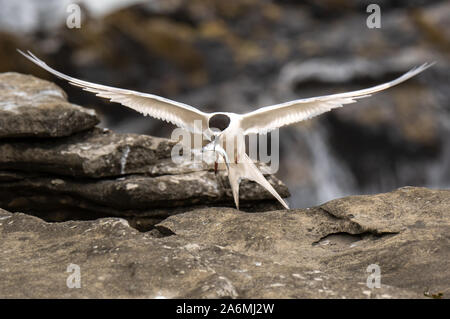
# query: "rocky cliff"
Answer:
x=139 y=226
x=243 y=54
x=56 y=164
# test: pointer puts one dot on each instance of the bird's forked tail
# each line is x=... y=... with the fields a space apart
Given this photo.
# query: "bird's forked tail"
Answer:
x=245 y=168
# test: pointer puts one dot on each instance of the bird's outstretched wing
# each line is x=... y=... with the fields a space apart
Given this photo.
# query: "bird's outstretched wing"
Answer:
x=271 y=117
x=179 y=114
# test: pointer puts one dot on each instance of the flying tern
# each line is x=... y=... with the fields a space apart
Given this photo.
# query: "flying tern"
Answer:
x=223 y=126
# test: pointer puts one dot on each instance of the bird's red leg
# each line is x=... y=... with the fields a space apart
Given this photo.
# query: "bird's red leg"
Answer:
x=216 y=164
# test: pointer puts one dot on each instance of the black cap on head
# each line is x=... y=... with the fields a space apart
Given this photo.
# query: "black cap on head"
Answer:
x=219 y=121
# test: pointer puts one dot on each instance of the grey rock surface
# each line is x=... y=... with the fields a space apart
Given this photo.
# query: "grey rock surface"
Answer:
x=95 y=172
x=322 y=252
x=132 y=195
x=241 y=56
x=36 y=108
x=95 y=153
x=56 y=165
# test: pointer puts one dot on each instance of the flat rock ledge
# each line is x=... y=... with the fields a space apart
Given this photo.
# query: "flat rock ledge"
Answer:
x=31 y=107
x=56 y=164
x=321 y=252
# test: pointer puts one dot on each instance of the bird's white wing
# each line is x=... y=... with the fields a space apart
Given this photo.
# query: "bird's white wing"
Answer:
x=271 y=117
x=179 y=114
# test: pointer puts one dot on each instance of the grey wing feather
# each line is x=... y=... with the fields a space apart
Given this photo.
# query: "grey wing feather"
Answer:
x=271 y=117
x=179 y=114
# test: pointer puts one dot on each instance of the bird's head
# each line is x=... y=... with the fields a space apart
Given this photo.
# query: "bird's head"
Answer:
x=219 y=122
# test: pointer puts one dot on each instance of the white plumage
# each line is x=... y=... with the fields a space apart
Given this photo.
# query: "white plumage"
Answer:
x=260 y=121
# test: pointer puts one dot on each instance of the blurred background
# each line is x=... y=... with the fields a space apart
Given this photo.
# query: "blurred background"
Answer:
x=238 y=55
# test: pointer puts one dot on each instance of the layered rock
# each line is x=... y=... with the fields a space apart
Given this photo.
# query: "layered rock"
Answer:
x=95 y=172
x=140 y=226
x=321 y=252
x=30 y=107
x=222 y=56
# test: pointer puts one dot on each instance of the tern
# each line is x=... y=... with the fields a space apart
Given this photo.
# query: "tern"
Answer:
x=225 y=126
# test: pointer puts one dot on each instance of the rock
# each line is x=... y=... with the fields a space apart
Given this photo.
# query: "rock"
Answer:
x=133 y=195
x=376 y=142
x=96 y=172
x=95 y=153
x=322 y=252
x=238 y=57
x=30 y=107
